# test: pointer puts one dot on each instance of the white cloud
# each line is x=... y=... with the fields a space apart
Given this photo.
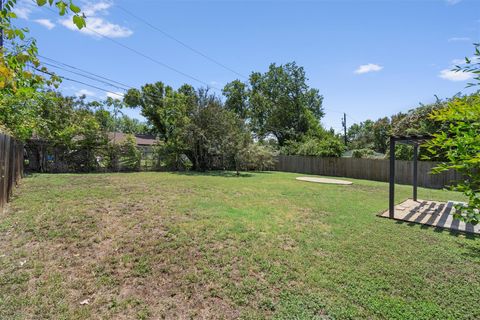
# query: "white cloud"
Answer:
x=115 y=95
x=452 y=2
x=366 y=68
x=84 y=92
x=448 y=74
x=92 y=8
x=46 y=23
x=23 y=9
x=461 y=62
x=22 y=12
x=100 y=25
x=457 y=62
x=216 y=84
x=461 y=75
x=96 y=22
x=459 y=39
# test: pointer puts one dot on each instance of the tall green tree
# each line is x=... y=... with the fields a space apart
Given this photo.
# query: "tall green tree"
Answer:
x=214 y=136
x=129 y=125
x=361 y=135
x=166 y=109
x=418 y=121
x=237 y=96
x=191 y=123
x=124 y=123
x=282 y=104
x=381 y=134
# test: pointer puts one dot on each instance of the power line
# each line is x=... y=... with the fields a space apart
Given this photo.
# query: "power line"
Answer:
x=152 y=59
x=146 y=56
x=330 y=110
x=353 y=118
x=180 y=42
x=85 y=71
x=108 y=82
x=85 y=76
x=88 y=77
x=96 y=75
x=77 y=81
x=90 y=85
x=340 y=112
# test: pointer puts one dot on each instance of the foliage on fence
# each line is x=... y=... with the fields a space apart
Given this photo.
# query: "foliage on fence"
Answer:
x=324 y=145
x=458 y=142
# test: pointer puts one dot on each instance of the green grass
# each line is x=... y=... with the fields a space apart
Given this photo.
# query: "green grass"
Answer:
x=263 y=245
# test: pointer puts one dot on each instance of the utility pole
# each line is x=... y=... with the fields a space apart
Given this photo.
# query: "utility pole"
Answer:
x=344 y=125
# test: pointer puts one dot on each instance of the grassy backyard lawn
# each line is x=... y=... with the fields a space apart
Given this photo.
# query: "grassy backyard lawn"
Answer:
x=170 y=245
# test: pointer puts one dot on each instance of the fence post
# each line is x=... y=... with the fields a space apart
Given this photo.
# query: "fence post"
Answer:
x=2 y=171
x=6 y=171
x=391 y=191
x=415 y=171
x=11 y=167
x=11 y=173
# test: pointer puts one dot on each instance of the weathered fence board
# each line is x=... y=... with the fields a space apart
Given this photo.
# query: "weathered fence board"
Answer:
x=368 y=169
x=11 y=167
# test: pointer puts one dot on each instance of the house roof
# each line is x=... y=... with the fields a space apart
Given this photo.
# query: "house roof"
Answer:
x=141 y=139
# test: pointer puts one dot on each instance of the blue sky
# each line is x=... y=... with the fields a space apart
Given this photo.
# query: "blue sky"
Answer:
x=368 y=58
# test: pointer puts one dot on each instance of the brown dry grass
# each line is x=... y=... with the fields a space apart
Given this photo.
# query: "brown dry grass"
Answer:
x=161 y=245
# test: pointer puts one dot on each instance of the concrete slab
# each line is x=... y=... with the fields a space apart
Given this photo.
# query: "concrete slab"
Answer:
x=324 y=180
x=431 y=213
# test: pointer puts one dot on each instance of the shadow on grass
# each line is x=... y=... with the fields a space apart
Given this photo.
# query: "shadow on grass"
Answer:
x=34 y=173
x=437 y=229
x=213 y=173
x=220 y=173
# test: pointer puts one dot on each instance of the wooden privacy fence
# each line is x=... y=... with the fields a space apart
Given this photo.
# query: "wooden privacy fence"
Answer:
x=11 y=167
x=368 y=169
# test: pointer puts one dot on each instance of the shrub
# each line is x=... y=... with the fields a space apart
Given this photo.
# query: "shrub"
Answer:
x=256 y=157
x=403 y=152
x=458 y=141
x=168 y=156
x=363 y=153
x=327 y=147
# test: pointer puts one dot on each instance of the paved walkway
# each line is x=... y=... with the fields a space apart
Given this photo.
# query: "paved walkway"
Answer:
x=431 y=213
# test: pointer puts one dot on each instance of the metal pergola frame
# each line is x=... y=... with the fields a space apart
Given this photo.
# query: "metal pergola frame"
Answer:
x=416 y=141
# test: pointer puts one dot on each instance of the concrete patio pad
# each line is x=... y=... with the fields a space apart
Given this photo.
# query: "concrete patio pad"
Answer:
x=431 y=213
x=324 y=180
